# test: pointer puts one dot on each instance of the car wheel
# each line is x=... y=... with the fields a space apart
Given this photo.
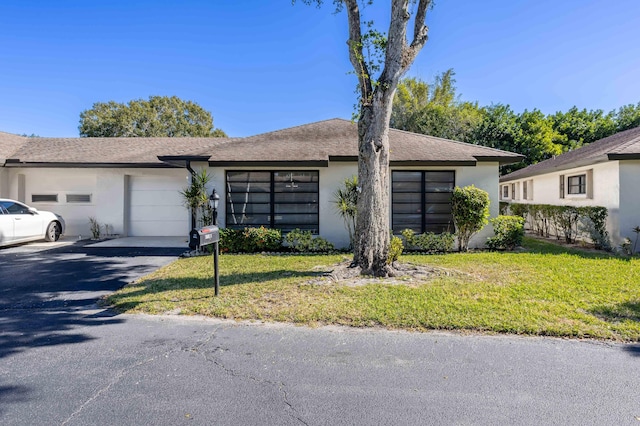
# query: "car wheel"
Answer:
x=53 y=232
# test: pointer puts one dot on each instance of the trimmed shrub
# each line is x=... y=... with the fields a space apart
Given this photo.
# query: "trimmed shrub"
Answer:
x=429 y=242
x=594 y=222
x=304 y=242
x=250 y=240
x=509 y=232
x=470 y=208
x=395 y=249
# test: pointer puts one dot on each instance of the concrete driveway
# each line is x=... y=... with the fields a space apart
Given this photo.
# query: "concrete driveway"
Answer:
x=64 y=361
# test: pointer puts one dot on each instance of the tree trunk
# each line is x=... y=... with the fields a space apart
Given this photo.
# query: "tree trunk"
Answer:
x=372 y=224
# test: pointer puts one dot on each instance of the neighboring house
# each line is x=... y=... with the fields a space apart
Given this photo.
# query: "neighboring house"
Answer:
x=604 y=173
x=283 y=179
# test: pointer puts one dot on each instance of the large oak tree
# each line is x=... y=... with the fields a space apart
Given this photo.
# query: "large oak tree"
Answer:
x=160 y=116
x=376 y=97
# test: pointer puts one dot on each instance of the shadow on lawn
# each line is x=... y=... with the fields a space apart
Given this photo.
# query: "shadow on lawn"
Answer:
x=537 y=246
x=619 y=312
x=173 y=284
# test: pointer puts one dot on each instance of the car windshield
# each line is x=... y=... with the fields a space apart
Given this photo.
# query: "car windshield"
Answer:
x=11 y=207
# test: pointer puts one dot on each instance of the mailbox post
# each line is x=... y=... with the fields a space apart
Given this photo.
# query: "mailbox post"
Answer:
x=203 y=237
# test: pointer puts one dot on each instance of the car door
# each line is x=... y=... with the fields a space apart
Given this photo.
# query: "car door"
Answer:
x=6 y=226
x=26 y=224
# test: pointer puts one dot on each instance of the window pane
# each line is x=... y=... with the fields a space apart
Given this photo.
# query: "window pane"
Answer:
x=407 y=176
x=249 y=187
x=408 y=197
x=248 y=198
x=439 y=177
x=44 y=198
x=406 y=187
x=295 y=208
x=438 y=187
x=248 y=177
x=295 y=187
x=407 y=207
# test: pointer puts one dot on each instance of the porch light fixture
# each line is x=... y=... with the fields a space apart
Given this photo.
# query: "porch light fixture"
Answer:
x=214 y=199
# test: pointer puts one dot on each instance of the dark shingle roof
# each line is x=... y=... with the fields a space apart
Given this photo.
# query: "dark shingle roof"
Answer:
x=315 y=143
x=9 y=144
x=336 y=138
x=622 y=145
x=112 y=151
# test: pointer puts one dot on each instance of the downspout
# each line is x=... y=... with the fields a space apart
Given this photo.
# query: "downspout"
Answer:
x=193 y=213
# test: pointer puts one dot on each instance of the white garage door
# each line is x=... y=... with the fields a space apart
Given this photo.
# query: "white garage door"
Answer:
x=157 y=207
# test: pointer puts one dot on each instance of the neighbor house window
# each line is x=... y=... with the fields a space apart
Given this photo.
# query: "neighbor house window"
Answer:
x=505 y=191
x=561 y=186
x=524 y=190
x=513 y=191
x=577 y=184
x=283 y=200
x=44 y=198
x=421 y=201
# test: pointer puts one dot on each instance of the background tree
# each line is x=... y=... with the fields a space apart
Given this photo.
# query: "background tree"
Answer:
x=392 y=54
x=434 y=109
x=160 y=116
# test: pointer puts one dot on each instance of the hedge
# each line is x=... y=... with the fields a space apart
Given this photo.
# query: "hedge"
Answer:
x=568 y=222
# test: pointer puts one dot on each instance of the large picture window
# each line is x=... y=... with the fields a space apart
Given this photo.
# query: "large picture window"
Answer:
x=421 y=201
x=283 y=200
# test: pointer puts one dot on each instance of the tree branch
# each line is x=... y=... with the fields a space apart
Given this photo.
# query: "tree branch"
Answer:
x=420 y=34
x=355 y=51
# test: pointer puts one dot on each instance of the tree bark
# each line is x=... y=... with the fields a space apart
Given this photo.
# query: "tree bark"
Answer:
x=372 y=224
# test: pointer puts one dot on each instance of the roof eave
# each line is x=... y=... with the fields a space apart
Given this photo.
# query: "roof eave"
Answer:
x=68 y=165
x=260 y=163
x=613 y=157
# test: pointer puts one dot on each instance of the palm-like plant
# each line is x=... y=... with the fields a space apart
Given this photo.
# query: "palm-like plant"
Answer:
x=196 y=198
x=345 y=199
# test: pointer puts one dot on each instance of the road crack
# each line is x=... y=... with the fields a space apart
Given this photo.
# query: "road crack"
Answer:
x=209 y=356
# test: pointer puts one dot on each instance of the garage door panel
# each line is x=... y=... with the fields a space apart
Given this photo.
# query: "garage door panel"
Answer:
x=156 y=198
x=156 y=206
x=156 y=213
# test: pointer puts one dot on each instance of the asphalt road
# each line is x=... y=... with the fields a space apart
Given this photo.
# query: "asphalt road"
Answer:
x=65 y=361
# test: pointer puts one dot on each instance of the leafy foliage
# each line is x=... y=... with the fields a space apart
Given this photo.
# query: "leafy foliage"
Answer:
x=509 y=232
x=395 y=249
x=250 y=240
x=304 y=242
x=437 y=110
x=160 y=116
x=470 y=208
x=564 y=222
x=197 y=200
x=429 y=242
x=345 y=200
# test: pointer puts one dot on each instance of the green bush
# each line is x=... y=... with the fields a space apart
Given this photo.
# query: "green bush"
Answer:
x=509 y=232
x=429 y=242
x=304 y=242
x=395 y=249
x=470 y=208
x=519 y=209
x=594 y=221
x=250 y=240
x=503 y=207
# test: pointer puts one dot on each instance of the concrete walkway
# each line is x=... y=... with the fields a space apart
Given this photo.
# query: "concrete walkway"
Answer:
x=150 y=242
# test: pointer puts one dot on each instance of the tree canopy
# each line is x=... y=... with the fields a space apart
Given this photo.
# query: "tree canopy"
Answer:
x=436 y=109
x=160 y=116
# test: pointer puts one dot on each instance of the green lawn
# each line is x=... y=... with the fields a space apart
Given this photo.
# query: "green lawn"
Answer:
x=543 y=290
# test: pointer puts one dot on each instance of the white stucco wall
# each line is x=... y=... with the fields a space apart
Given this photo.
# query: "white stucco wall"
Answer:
x=483 y=176
x=603 y=189
x=107 y=186
x=629 y=198
x=4 y=183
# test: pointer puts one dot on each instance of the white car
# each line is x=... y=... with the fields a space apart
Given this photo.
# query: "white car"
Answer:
x=20 y=223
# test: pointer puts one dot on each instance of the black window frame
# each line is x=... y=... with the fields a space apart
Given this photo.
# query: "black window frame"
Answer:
x=581 y=184
x=44 y=198
x=276 y=201
x=425 y=225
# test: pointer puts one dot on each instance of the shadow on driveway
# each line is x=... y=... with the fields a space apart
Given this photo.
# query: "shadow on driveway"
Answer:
x=47 y=297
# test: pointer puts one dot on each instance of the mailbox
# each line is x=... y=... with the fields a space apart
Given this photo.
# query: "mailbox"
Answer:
x=203 y=237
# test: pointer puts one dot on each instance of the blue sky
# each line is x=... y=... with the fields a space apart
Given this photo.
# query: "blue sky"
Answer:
x=261 y=65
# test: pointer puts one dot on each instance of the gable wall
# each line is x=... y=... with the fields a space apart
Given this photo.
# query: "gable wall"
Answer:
x=629 y=198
